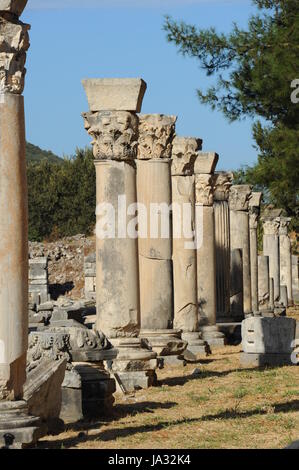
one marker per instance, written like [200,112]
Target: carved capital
[14,43]
[271,226]
[156,134]
[204,190]
[222,183]
[114,133]
[284,225]
[239,197]
[184,154]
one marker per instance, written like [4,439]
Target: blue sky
[75,39]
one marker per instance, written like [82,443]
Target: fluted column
[285,251]
[254,212]
[239,231]
[263,283]
[222,185]
[113,124]
[184,154]
[156,134]
[206,249]
[14,44]
[271,249]
[295,277]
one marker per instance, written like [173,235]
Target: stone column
[156,133]
[239,231]
[222,185]
[113,124]
[285,252]
[184,154]
[206,249]
[263,283]
[271,249]
[14,417]
[295,277]
[254,212]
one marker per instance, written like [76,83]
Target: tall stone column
[263,283]
[285,252]
[14,44]
[239,232]
[184,154]
[113,124]
[295,277]
[254,212]
[206,249]
[222,185]
[271,249]
[156,133]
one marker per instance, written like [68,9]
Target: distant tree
[62,197]
[254,69]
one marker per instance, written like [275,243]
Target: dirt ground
[224,406]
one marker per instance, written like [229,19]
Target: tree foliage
[61,196]
[253,69]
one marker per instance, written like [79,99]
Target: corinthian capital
[156,133]
[284,225]
[114,133]
[271,226]
[239,197]
[204,189]
[14,43]
[184,154]
[222,184]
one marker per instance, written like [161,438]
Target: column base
[168,345]
[213,336]
[262,360]
[135,365]
[196,345]
[17,428]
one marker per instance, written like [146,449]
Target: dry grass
[225,407]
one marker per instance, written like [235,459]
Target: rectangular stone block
[263,360]
[261,335]
[115,94]
[205,163]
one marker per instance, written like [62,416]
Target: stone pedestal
[254,212]
[113,124]
[184,153]
[206,253]
[38,281]
[222,184]
[156,133]
[285,256]
[271,249]
[268,341]
[239,231]
[264,283]
[90,273]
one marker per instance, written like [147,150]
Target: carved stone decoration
[156,133]
[239,197]
[271,226]
[184,154]
[50,345]
[204,189]
[222,184]
[114,133]
[284,225]
[14,43]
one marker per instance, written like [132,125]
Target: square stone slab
[206,163]
[115,94]
[13,6]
